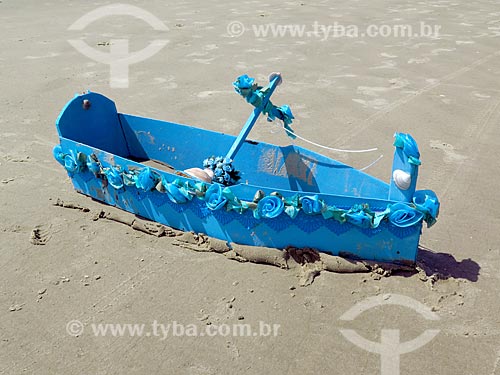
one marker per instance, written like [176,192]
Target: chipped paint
[143,134]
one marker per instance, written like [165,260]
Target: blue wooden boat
[242,191]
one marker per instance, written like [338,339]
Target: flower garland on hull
[425,205]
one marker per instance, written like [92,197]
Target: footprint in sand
[450,155]
[40,235]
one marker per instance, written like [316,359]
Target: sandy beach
[59,265]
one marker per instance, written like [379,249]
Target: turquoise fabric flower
[58,154]
[427,202]
[114,177]
[70,163]
[243,82]
[402,215]
[74,163]
[269,207]
[214,198]
[147,179]
[312,205]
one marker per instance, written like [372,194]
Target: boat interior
[172,147]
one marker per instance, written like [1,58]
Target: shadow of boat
[446,265]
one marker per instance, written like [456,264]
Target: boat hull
[387,242]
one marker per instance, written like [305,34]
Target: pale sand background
[344,92]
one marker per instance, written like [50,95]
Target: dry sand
[345,93]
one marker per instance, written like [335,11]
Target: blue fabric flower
[209,163]
[402,215]
[312,205]
[214,198]
[269,207]
[224,172]
[75,161]
[58,154]
[114,177]
[243,82]
[70,163]
[427,202]
[147,179]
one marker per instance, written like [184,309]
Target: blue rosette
[403,216]
[75,162]
[312,205]
[58,154]
[214,197]
[269,207]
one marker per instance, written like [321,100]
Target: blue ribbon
[253,94]
[360,216]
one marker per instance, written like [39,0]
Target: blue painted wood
[125,142]
[231,154]
[401,162]
[265,165]
[95,124]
